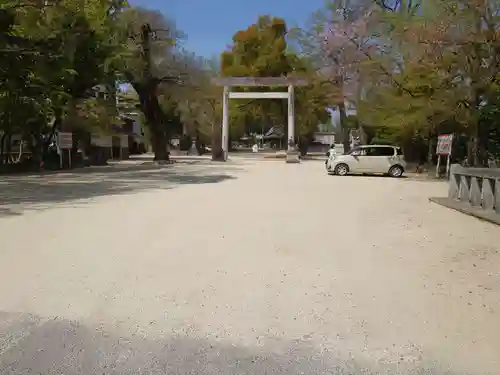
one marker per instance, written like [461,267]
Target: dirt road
[251,267]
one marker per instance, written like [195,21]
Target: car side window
[371,151]
[381,151]
[358,151]
[355,151]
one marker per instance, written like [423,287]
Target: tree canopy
[59,56]
[262,51]
[412,69]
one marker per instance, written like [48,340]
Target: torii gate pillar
[292,156]
[225,122]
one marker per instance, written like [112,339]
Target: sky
[210,24]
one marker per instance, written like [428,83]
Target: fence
[474,191]
[479,187]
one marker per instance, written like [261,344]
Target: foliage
[47,70]
[261,51]
[413,68]
[173,85]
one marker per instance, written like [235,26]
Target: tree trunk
[343,125]
[362,134]
[159,144]
[430,152]
[217,154]
[482,149]
[470,151]
[303,145]
[476,158]
[2,148]
[154,119]
[58,117]
[36,150]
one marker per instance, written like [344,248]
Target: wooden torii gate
[292,155]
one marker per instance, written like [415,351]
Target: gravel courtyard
[249,267]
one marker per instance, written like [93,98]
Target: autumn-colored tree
[199,103]
[338,39]
[415,67]
[262,51]
[447,63]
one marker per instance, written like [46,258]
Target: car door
[381,158]
[366,163]
[355,159]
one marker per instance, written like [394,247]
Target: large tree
[46,70]
[262,51]
[156,68]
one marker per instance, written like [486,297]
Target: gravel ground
[248,267]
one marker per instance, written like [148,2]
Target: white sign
[444,144]
[124,141]
[65,140]
[101,140]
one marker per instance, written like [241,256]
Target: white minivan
[370,159]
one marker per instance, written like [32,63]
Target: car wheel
[396,171]
[341,170]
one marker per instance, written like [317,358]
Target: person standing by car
[331,153]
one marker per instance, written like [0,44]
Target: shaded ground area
[277,269]
[21,192]
[59,346]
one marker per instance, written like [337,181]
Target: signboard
[444,144]
[124,141]
[101,140]
[65,140]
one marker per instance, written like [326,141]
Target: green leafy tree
[49,71]
[155,69]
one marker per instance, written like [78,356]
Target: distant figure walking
[255,148]
[331,152]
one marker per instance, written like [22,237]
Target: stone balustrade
[480,187]
[474,191]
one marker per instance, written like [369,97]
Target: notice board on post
[444,144]
[443,148]
[65,140]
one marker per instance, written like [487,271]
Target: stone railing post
[496,197]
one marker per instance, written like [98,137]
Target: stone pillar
[292,156]
[225,122]
[464,189]
[488,194]
[475,191]
[454,181]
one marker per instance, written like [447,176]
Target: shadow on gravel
[18,193]
[32,346]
